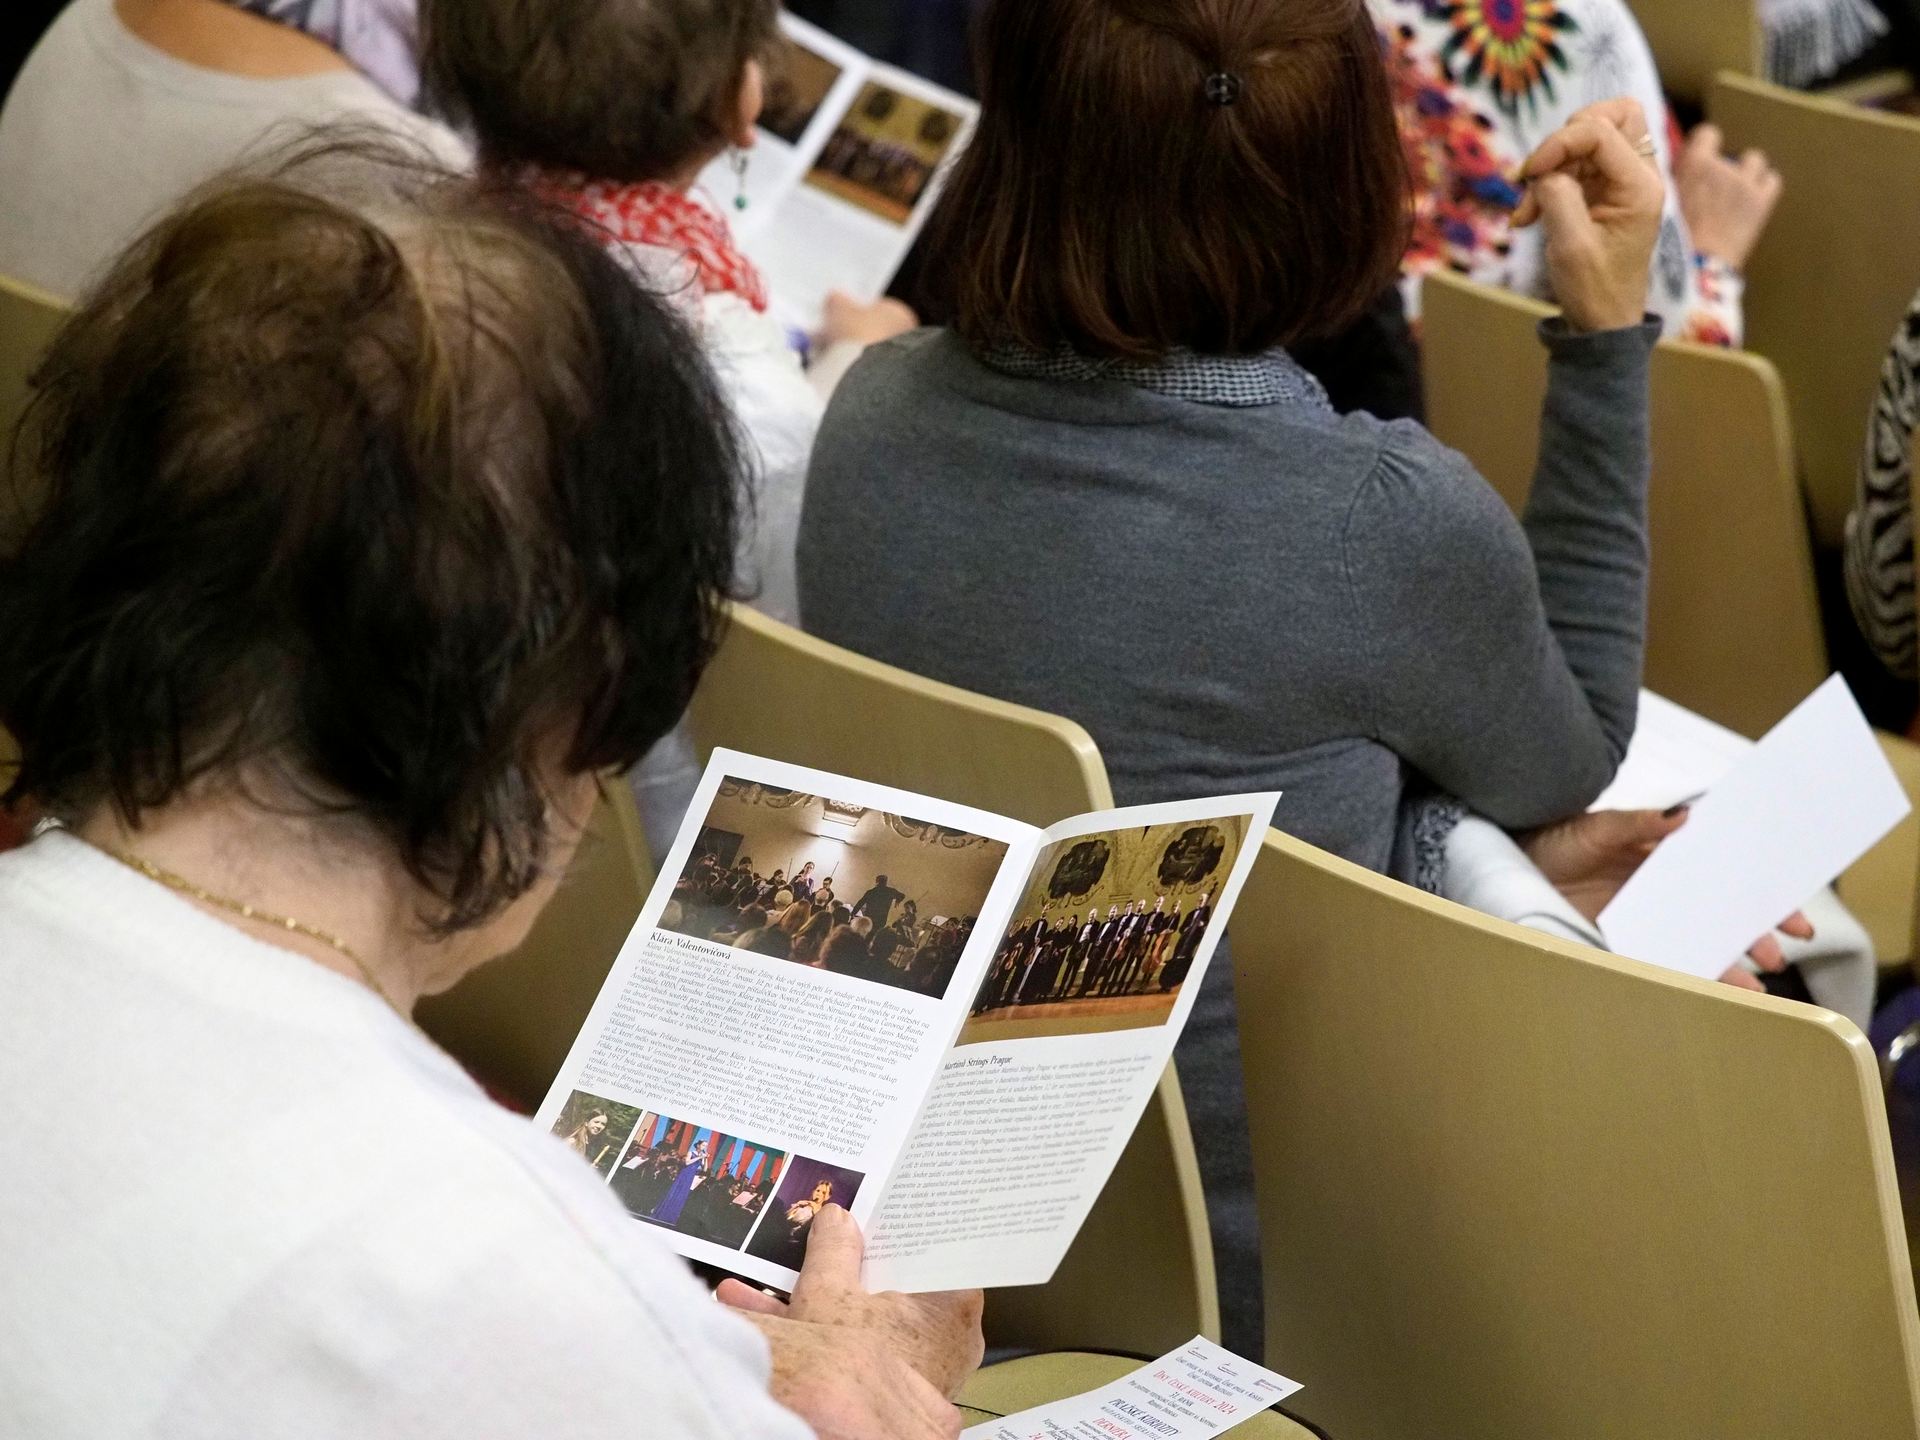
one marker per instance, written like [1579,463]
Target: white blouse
[102,133]
[243,1198]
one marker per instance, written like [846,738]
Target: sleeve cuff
[1561,338]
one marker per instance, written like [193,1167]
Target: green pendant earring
[738,159]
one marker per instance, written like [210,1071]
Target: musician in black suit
[1020,945]
[1152,926]
[1103,953]
[1192,930]
[1037,937]
[877,904]
[644,1177]
[1126,949]
[1017,949]
[1074,940]
[1056,952]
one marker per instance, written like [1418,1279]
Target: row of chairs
[1757,453]
[1739,438]
[1696,41]
[1504,1182]
[1835,271]
[1732,576]
[1507,1186]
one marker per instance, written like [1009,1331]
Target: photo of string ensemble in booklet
[944,1020]
[1107,931]
[851,890]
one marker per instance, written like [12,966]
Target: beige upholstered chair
[1510,1187]
[28,320]
[1883,887]
[511,1023]
[1835,271]
[1733,622]
[1732,573]
[776,692]
[12,828]
[1692,40]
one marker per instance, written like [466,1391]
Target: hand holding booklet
[944,1020]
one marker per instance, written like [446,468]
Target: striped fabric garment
[1811,40]
[1879,556]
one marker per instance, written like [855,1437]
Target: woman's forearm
[1586,518]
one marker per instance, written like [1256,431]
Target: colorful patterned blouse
[1478,84]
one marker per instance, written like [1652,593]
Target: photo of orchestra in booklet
[798,82]
[804,878]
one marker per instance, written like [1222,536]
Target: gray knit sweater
[1233,588]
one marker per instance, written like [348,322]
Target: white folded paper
[1676,755]
[1199,1389]
[1774,826]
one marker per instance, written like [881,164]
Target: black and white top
[1879,557]
[1236,382]
[1812,40]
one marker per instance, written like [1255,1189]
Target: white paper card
[1199,1389]
[1810,799]
[1676,755]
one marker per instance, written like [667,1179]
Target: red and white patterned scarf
[650,213]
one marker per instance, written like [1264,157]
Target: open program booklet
[848,157]
[952,1035]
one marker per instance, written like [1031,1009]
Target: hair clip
[1223,88]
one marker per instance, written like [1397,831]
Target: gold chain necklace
[185,886]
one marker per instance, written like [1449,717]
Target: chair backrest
[1732,573]
[28,320]
[1512,1187]
[774,691]
[512,1022]
[1834,273]
[13,829]
[1692,40]
[1882,887]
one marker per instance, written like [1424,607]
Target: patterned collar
[652,214]
[1236,382]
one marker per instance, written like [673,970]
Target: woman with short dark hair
[1110,491]
[358,562]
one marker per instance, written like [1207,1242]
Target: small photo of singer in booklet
[690,1178]
[595,1128]
[809,1186]
[834,886]
[1106,931]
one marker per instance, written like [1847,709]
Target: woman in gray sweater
[1110,493]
